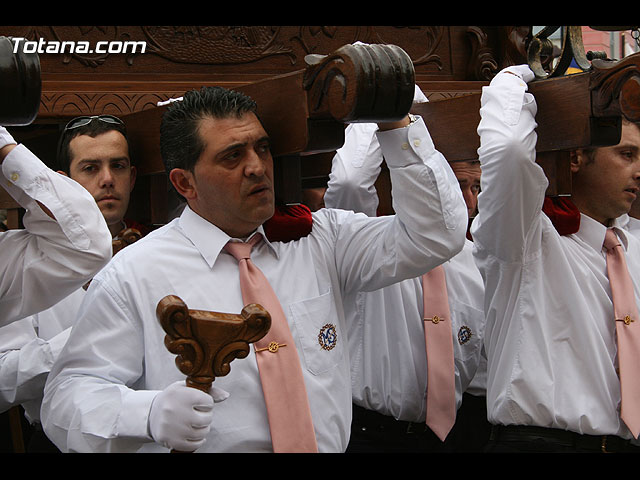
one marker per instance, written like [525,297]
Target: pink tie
[441,392]
[627,330]
[283,386]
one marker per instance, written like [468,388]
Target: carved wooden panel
[180,58]
[449,61]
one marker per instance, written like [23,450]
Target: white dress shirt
[386,331]
[28,349]
[99,393]
[49,259]
[550,333]
[631,224]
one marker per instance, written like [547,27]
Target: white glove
[521,71]
[180,416]
[5,137]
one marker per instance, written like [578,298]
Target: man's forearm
[4,151]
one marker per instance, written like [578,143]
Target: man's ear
[132,178]
[576,160]
[183,182]
[62,172]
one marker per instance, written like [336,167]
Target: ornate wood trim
[207,342]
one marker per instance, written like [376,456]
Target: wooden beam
[575,111]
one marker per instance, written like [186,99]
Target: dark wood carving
[125,238]
[366,83]
[179,58]
[207,342]
[574,111]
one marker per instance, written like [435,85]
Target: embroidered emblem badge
[328,336]
[464,334]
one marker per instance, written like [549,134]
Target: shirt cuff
[133,420]
[400,146]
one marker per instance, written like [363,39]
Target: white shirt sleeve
[49,259]
[430,219]
[354,170]
[513,186]
[25,362]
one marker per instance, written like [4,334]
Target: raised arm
[354,170]
[430,221]
[356,166]
[65,240]
[513,185]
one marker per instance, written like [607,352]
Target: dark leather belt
[370,419]
[564,438]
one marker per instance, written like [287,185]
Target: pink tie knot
[242,250]
[611,239]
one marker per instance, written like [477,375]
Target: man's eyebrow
[97,160]
[628,146]
[234,146]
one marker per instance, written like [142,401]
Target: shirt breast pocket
[468,330]
[319,333]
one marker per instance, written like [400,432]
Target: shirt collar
[593,232]
[208,239]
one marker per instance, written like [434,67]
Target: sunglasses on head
[81,122]
[85,120]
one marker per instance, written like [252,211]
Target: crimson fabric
[289,222]
[143,229]
[562,212]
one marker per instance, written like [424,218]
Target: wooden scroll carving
[207,342]
[305,112]
[574,111]
[360,83]
[125,238]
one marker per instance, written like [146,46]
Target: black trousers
[39,443]
[372,432]
[530,439]
[471,432]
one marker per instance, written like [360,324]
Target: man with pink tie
[557,373]
[126,394]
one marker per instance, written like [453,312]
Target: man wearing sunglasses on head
[64,241]
[94,152]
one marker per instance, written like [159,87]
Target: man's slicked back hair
[180,142]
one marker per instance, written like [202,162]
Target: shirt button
[15,177]
[416,142]
[405,146]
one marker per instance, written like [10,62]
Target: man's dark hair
[94,128]
[180,142]
[590,152]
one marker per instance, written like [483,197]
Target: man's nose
[106,177]
[255,165]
